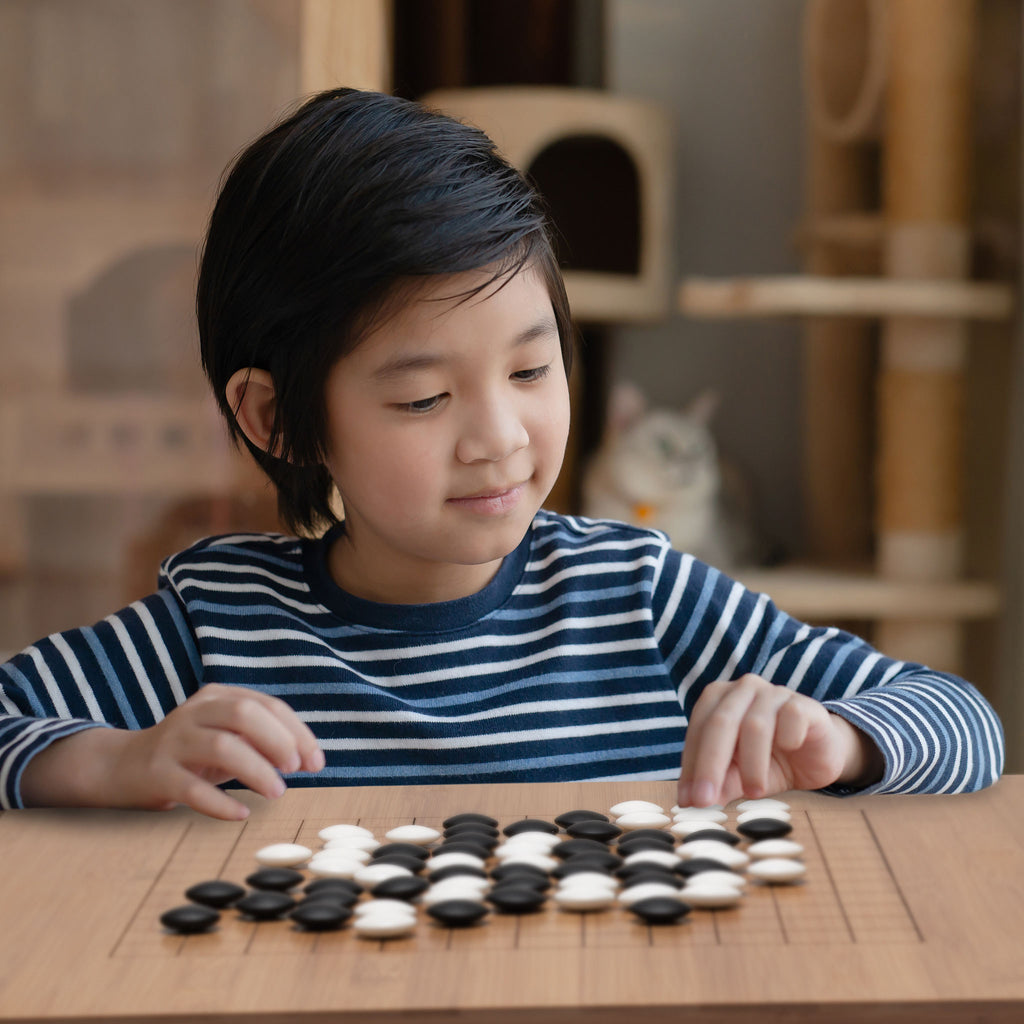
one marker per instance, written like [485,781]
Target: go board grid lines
[851,896]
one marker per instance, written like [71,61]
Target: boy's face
[446,430]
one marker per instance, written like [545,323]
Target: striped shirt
[581,659]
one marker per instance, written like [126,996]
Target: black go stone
[404,887]
[401,849]
[317,915]
[278,879]
[664,876]
[572,847]
[629,871]
[695,865]
[584,862]
[648,834]
[457,913]
[189,919]
[720,835]
[522,874]
[571,817]
[516,898]
[605,857]
[530,825]
[641,844]
[265,905]
[402,860]
[339,897]
[474,849]
[346,885]
[470,816]
[450,870]
[764,828]
[660,909]
[216,893]
[602,831]
[471,827]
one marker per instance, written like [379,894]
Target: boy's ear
[250,392]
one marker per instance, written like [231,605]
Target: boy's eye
[424,404]
[537,373]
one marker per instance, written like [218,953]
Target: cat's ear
[626,404]
[702,408]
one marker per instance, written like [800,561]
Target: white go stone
[666,858]
[714,850]
[352,843]
[339,831]
[384,925]
[646,890]
[283,855]
[584,898]
[776,870]
[534,859]
[687,826]
[590,879]
[542,841]
[636,806]
[711,897]
[371,874]
[642,819]
[716,812]
[342,853]
[442,892]
[334,867]
[774,848]
[766,803]
[715,879]
[769,812]
[418,835]
[444,860]
[383,906]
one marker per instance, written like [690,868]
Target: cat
[660,468]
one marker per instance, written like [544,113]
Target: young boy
[380,310]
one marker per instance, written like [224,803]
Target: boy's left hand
[748,737]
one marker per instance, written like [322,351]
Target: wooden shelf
[827,594]
[804,295]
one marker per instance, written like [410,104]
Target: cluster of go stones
[658,865]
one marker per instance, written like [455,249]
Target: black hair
[324,220]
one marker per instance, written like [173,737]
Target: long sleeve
[127,671]
[936,731]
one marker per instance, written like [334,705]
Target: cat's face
[666,456]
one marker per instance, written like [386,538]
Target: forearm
[75,771]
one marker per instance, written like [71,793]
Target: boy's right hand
[219,733]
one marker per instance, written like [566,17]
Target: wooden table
[913,910]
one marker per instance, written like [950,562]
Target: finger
[757,738]
[311,757]
[249,715]
[230,756]
[717,736]
[707,702]
[793,724]
[202,796]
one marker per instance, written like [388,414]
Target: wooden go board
[912,909]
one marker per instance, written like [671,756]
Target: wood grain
[911,911]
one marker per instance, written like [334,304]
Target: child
[380,310]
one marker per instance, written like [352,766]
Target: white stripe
[575,552]
[498,738]
[772,664]
[63,711]
[240,570]
[72,662]
[715,640]
[890,701]
[505,711]
[440,675]
[205,586]
[575,572]
[243,636]
[862,673]
[160,649]
[678,589]
[27,738]
[128,648]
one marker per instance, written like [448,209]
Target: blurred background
[807,209]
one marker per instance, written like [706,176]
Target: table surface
[912,910]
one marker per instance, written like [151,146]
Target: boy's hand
[749,737]
[219,733]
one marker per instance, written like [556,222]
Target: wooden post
[921,391]
[345,42]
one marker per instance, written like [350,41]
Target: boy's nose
[491,433]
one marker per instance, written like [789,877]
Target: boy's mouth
[493,501]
